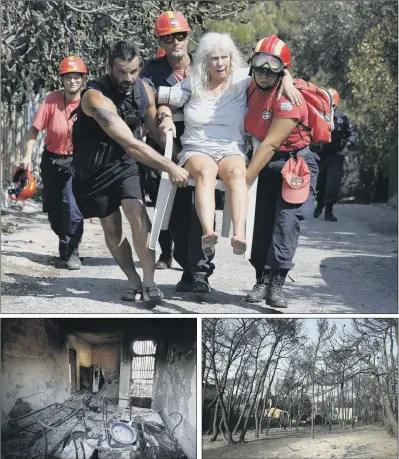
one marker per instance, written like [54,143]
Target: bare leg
[204,171]
[120,248]
[232,171]
[140,224]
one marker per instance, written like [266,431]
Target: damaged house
[98,388]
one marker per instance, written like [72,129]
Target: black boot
[258,292]
[164,262]
[275,297]
[186,282]
[330,217]
[69,261]
[201,283]
[74,261]
[318,210]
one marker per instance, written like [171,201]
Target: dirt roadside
[363,443]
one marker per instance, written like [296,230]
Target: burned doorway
[143,371]
[73,380]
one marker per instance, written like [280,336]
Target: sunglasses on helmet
[263,61]
[179,36]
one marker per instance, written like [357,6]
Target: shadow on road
[94,289]
[339,240]
[49,260]
[364,275]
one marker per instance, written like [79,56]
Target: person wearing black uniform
[332,157]
[185,228]
[107,146]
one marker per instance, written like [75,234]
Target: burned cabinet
[91,378]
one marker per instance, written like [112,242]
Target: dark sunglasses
[267,61]
[180,36]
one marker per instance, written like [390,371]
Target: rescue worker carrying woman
[286,167]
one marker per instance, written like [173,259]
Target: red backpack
[320,111]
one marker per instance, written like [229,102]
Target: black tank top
[93,150]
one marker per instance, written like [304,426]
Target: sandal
[131,294]
[151,296]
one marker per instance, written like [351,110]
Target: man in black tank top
[107,147]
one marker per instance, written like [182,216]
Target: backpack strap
[74,112]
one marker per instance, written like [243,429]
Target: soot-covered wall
[35,364]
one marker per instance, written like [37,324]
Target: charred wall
[109,358]
[34,363]
[175,389]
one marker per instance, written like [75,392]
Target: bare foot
[239,246]
[208,243]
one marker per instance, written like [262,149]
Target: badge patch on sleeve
[287,106]
[266,114]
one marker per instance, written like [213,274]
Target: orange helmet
[171,22]
[334,95]
[160,52]
[24,185]
[72,64]
[273,45]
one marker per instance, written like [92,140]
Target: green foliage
[374,103]
[37,35]
[331,33]
[259,21]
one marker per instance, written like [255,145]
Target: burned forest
[269,379]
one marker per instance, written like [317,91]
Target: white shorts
[217,155]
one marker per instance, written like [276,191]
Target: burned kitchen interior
[98,388]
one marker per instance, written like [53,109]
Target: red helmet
[160,52]
[273,45]
[24,185]
[334,95]
[72,64]
[171,22]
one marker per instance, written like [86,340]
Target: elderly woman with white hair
[214,97]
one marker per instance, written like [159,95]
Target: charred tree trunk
[215,431]
[264,371]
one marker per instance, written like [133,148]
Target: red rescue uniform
[263,108]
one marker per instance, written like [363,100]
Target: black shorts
[102,195]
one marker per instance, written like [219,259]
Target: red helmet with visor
[271,53]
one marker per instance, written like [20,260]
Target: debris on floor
[90,426]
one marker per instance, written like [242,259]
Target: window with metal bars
[143,368]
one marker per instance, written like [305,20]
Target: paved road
[345,267]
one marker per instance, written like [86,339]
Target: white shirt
[215,123]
